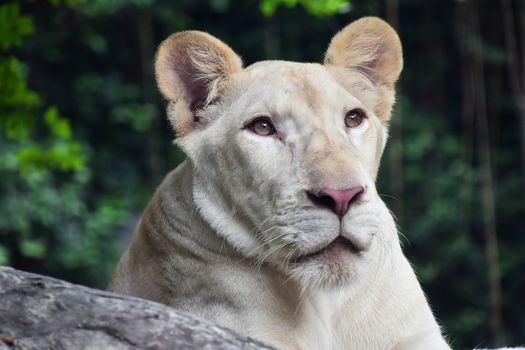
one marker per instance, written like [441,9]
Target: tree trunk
[487,178]
[38,312]
[516,73]
[467,113]
[147,52]
[272,45]
[396,168]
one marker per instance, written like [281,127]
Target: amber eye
[354,118]
[262,126]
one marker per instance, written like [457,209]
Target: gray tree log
[38,312]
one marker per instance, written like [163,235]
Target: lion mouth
[333,250]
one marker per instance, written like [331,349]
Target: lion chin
[273,225]
[330,267]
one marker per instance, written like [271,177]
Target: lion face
[285,154]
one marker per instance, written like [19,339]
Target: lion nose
[336,200]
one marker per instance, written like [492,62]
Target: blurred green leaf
[18,125]
[69,3]
[4,255]
[62,156]
[32,248]
[139,116]
[107,7]
[13,26]
[96,42]
[220,5]
[315,7]
[58,126]
[13,86]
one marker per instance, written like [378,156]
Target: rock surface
[38,312]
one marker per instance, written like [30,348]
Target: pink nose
[338,200]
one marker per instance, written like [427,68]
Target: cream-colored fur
[224,234]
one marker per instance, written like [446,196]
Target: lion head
[285,155]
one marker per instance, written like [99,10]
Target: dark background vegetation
[84,139]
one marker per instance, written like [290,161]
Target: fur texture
[235,233]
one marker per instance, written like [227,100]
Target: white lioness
[273,226]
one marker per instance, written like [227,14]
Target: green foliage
[13,26]
[315,7]
[4,255]
[13,87]
[138,115]
[60,151]
[58,126]
[106,7]
[70,3]
[220,5]
[32,248]
[42,165]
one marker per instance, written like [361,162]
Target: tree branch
[38,312]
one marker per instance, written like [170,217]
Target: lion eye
[354,118]
[262,126]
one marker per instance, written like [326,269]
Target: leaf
[13,26]
[96,42]
[4,255]
[105,7]
[13,86]
[318,8]
[63,156]
[18,125]
[268,7]
[220,5]
[58,126]
[32,248]
[138,116]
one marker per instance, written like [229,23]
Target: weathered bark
[38,312]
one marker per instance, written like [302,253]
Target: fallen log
[39,312]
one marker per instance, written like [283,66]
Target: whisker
[388,196]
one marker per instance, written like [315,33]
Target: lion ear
[191,68]
[371,47]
